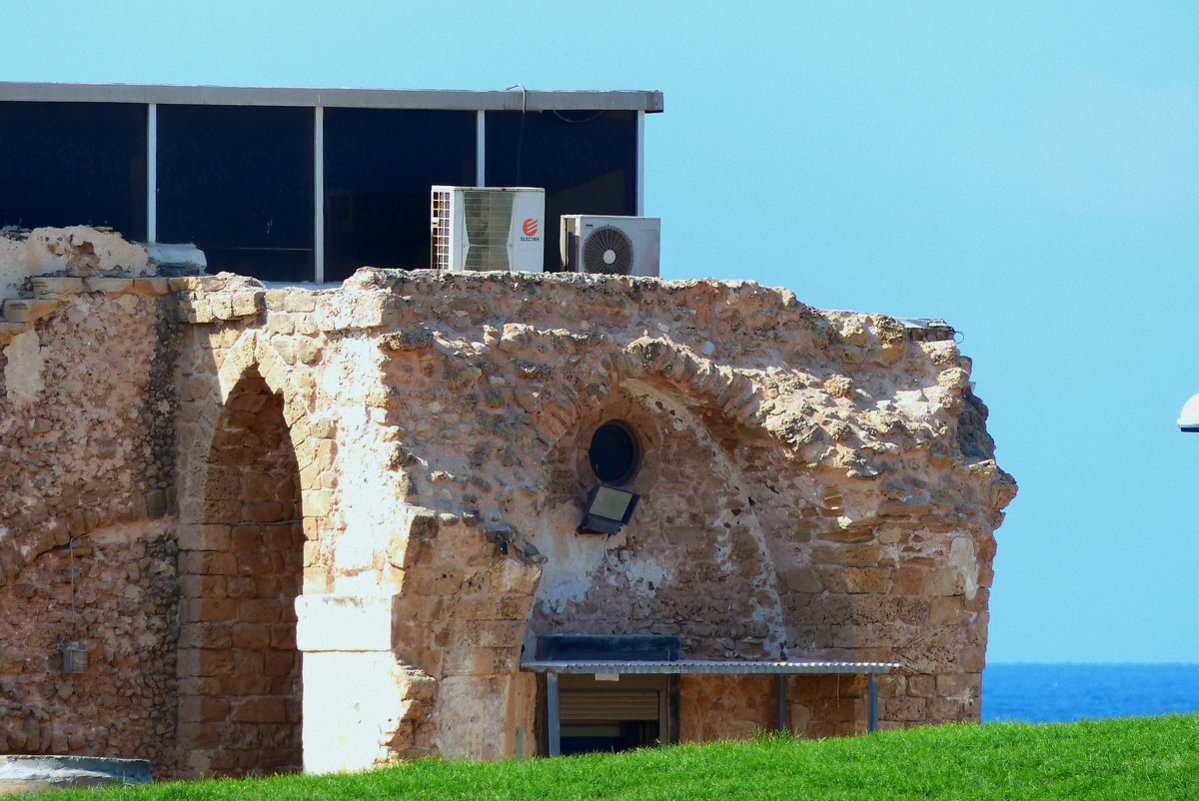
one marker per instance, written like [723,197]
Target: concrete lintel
[344,622]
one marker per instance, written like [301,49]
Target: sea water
[1059,693]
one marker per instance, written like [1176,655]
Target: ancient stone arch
[680,537]
[241,569]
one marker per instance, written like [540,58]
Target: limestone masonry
[315,527]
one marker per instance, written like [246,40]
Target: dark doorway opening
[607,711]
[608,737]
[613,713]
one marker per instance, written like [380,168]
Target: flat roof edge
[439,99]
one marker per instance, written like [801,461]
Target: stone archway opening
[241,568]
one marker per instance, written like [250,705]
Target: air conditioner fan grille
[608,250]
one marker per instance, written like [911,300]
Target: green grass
[1134,758]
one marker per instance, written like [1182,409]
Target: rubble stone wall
[383,481]
[86,487]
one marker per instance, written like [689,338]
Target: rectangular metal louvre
[488,218]
[441,222]
[578,706]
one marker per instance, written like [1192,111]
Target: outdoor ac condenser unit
[609,244]
[488,228]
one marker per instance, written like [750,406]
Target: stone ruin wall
[403,461]
[86,454]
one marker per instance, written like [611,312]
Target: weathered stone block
[847,555]
[112,286]
[260,611]
[248,304]
[154,287]
[204,662]
[922,685]
[211,610]
[202,586]
[207,563]
[259,710]
[254,563]
[278,663]
[44,285]
[251,635]
[299,301]
[204,635]
[907,581]
[262,511]
[204,538]
[958,685]
[20,310]
[942,582]
[199,734]
[203,709]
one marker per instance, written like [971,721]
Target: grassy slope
[1136,758]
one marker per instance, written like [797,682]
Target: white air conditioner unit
[488,228]
[611,245]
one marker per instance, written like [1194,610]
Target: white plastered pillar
[352,684]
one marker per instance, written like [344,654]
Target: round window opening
[614,453]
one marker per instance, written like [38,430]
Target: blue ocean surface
[1035,693]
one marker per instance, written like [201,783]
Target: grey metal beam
[780,702]
[440,99]
[674,692]
[872,721]
[553,716]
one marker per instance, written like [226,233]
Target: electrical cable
[558,114]
[74,621]
[520,136]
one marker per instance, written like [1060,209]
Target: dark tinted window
[586,161]
[238,182]
[73,164]
[379,165]
[613,453]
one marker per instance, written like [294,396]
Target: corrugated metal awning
[553,668]
[706,666]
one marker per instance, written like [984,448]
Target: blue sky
[1027,171]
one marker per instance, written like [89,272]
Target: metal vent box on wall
[612,647]
[487,228]
[610,244]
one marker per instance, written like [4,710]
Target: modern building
[307,185]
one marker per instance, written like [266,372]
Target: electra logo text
[529,227]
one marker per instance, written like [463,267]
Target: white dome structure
[1188,420]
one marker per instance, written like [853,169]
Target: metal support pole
[318,194]
[480,148]
[552,714]
[872,725]
[152,172]
[780,701]
[640,164]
